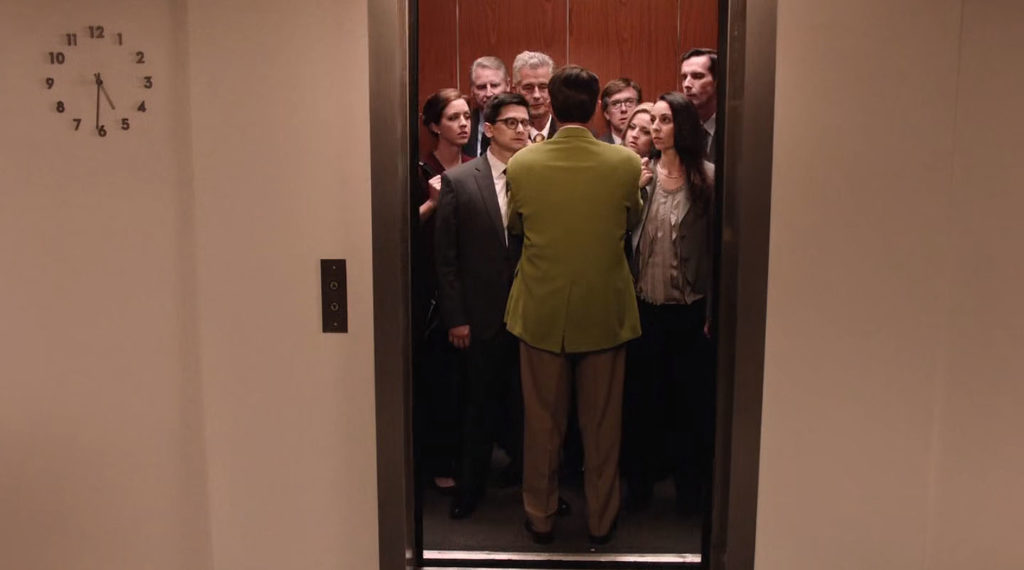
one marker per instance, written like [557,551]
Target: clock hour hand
[99,83]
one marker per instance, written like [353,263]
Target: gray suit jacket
[475,267]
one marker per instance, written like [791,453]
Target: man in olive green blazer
[572,303]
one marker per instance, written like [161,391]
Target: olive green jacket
[571,198]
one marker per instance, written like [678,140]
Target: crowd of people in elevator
[561,285]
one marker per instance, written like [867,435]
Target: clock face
[97,81]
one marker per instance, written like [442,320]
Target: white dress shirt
[498,174]
[544,131]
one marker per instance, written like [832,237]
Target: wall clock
[97,81]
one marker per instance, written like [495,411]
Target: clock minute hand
[97,75]
[99,82]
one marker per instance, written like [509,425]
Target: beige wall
[101,425]
[889,434]
[168,400]
[279,101]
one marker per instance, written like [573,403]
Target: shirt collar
[547,127]
[709,125]
[496,165]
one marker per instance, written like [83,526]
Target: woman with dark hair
[446,116]
[665,392]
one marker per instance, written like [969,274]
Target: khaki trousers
[545,377]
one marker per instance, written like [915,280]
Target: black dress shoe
[537,536]
[564,509]
[461,507]
[601,540]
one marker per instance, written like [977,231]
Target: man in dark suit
[699,84]
[618,99]
[487,78]
[475,264]
[531,72]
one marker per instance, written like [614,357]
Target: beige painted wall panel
[101,450]
[979,467]
[859,273]
[279,100]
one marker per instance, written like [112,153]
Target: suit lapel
[485,188]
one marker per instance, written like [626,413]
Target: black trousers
[436,405]
[492,408]
[668,401]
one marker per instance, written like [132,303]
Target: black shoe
[564,508]
[537,536]
[601,540]
[461,507]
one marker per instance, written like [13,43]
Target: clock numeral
[124,124]
[96,32]
[60,106]
[102,130]
[49,83]
[148,82]
[140,57]
[142,107]
[78,123]
[57,57]
[72,39]
[120,39]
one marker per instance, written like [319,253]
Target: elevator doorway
[494,537]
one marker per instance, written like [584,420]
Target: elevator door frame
[746,106]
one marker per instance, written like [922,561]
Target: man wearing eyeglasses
[475,264]
[618,99]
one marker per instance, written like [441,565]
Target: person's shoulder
[620,154]
[467,169]
[709,167]
[526,154]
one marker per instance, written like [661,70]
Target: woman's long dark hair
[688,141]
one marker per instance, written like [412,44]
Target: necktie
[539,137]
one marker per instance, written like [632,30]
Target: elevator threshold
[576,557]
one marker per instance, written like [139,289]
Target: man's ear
[489,130]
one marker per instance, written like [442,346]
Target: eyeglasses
[628,103]
[512,123]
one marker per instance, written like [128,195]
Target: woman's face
[455,121]
[662,129]
[638,134]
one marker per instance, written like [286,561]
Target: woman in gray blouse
[669,383]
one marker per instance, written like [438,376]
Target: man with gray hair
[531,73]
[487,78]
